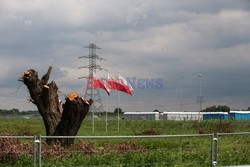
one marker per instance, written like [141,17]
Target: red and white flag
[112,82]
[129,88]
[116,84]
[124,82]
[98,84]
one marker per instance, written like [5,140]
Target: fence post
[214,155]
[212,150]
[216,148]
[40,151]
[34,150]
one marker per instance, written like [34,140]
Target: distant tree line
[14,111]
[248,109]
[221,109]
[217,109]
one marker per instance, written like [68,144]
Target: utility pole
[91,93]
[181,98]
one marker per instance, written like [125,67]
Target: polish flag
[98,84]
[124,82]
[112,82]
[116,84]
[129,88]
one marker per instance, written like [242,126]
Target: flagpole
[107,115]
[93,120]
[118,109]
[107,108]
[92,106]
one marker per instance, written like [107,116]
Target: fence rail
[231,134]
[17,137]
[37,140]
[123,137]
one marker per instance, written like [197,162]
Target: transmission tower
[93,93]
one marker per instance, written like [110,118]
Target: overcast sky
[148,39]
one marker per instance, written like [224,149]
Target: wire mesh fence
[132,151]
[143,150]
[232,150]
[13,148]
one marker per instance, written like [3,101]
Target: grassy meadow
[192,151]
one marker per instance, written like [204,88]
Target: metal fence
[212,149]
[223,138]
[16,150]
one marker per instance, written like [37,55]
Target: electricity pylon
[93,93]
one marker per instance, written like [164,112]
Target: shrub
[86,148]
[51,151]
[149,131]
[128,146]
[216,127]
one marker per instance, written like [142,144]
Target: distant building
[182,116]
[187,116]
[141,116]
[215,115]
[240,115]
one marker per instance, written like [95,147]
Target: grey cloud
[173,40]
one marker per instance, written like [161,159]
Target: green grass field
[195,151]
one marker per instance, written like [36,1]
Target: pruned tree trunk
[57,121]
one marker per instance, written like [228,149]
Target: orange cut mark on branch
[27,72]
[72,96]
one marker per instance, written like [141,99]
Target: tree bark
[57,121]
